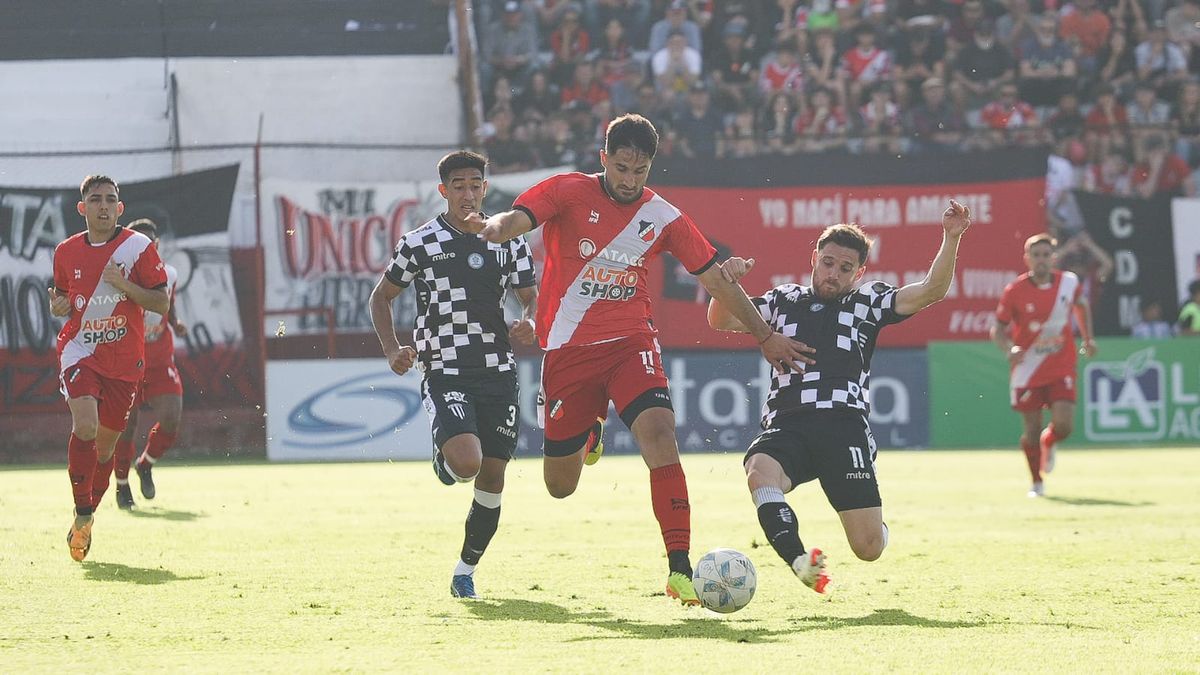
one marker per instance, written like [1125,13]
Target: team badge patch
[475,261]
[646,230]
[816,307]
[556,411]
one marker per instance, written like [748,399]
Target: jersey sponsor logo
[621,257]
[442,256]
[80,302]
[587,247]
[475,261]
[511,433]
[103,330]
[607,284]
[858,475]
[101,300]
[646,230]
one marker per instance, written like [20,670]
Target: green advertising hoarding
[1133,392]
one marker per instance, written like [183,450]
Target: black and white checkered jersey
[842,331]
[460,282]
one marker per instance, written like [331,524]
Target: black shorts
[485,406]
[833,446]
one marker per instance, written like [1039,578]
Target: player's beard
[827,291]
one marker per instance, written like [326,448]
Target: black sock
[677,561]
[779,524]
[481,525]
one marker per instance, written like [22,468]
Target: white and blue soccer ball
[725,580]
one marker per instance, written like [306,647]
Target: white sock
[767,495]
[122,481]
[463,568]
[885,535]
[488,500]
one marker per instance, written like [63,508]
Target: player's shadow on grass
[700,625]
[1092,501]
[144,576]
[884,617]
[166,514]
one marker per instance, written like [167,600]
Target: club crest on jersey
[587,247]
[816,307]
[475,261]
[646,230]
[556,411]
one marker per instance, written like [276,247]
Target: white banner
[326,244]
[1185,216]
[346,409]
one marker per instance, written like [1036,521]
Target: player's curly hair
[849,235]
[461,159]
[93,180]
[631,131]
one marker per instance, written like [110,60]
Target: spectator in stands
[1017,27]
[1106,124]
[1009,117]
[865,64]
[1185,118]
[500,95]
[1115,64]
[748,13]
[698,127]
[676,21]
[613,54]
[879,122]
[1183,29]
[920,55]
[822,15]
[1047,65]
[1086,29]
[675,67]
[964,26]
[935,125]
[1189,316]
[584,86]
[782,70]
[981,68]
[624,92]
[506,152]
[1066,120]
[556,146]
[779,124]
[928,13]
[1147,114]
[822,126]
[1161,171]
[541,96]
[741,138]
[633,14]
[1161,63]
[510,47]
[821,65]
[569,43]
[734,66]
[652,106]
[1151,326]
[1110,176]
[1129,13]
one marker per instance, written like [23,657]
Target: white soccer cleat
[1037,490]
[810,567]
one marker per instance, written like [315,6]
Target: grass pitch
[347,567]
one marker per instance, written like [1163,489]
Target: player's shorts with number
[484,405]
[578,383]
[1029,399]
[160,380]
[114,398]
[833,446]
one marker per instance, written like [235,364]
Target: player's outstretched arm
[503,226]
[719,318]
[400,359]
[781,352]
[153,299]
[916,297]
[525,329]
[1083,318]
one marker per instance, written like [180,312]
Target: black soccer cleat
[125,497]
[146,479]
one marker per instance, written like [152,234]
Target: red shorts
[578,383]
[160,380]
[114,398]
[1029,399]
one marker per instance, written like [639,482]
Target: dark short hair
[146,227]
[93,180]
[849,235]
[1043,238]
[462,159]
[631,131]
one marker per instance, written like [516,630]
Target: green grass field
[346,567]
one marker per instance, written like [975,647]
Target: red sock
[124,454]
[669,495]
[100,479]
[1033,455]
[81,466]
[157,444]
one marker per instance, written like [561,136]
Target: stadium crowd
[1112,87]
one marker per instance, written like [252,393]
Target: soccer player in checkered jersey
[161,389]
[594,322]
[105,279]
[815,418]
[462,345]
[1033,329]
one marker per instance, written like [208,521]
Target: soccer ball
[725,580]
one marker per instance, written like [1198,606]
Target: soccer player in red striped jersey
[594,321]
[161,389]
[1033,327]
[104,279]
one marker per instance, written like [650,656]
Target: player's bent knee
[85,430]
[1063,429]
[868,550]
[560,489]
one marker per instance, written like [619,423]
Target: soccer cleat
[1036,490]
[463,586]
[439,468]
[595,443]
[810,567]
[125,497]
[680,587]
[146,478]
[1047,451]
[79,537]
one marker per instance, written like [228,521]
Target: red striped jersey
[160,336]
[1041,325]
